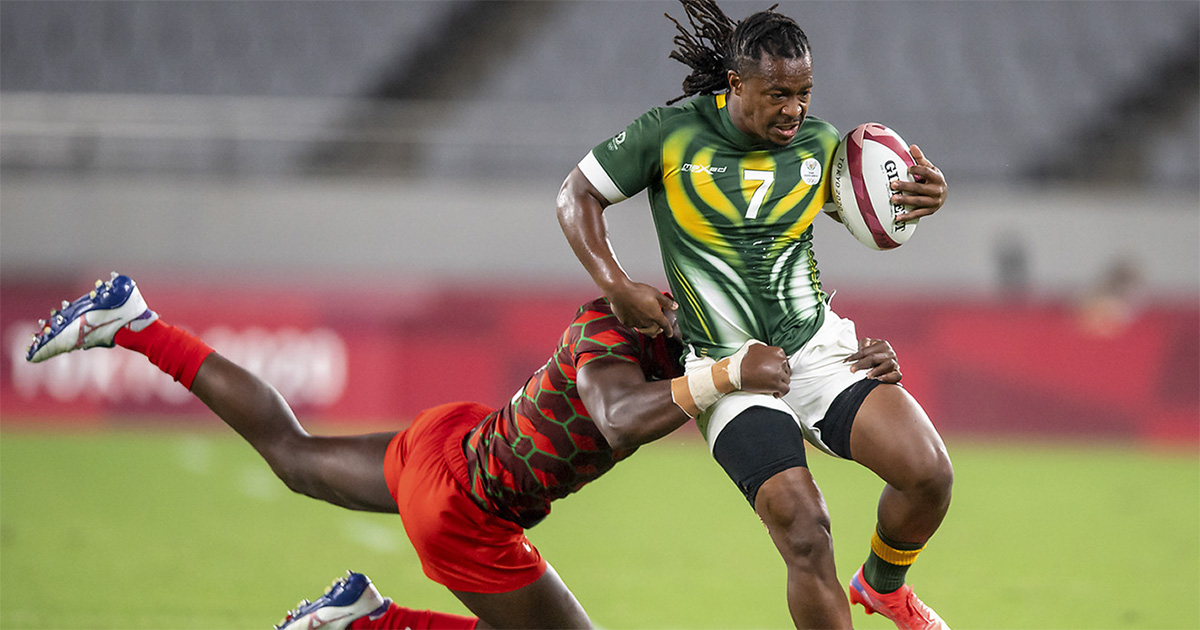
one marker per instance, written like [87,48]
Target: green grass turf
[174,530]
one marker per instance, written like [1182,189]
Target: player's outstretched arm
[631,411]
[581,216]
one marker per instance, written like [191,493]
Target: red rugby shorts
[460,546]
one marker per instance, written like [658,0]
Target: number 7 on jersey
[764,179]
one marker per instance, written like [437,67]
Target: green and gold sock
[888,563]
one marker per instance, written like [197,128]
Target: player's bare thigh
[894,438]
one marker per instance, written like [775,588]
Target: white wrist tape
[735,363]
[699,389]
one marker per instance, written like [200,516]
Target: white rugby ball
[865,164]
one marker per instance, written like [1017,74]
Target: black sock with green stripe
[888,563]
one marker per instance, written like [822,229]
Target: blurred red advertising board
[358,355]
[343,355]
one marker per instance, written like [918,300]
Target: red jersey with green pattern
[543,445]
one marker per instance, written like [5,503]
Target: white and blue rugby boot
[92,320]
[347,599]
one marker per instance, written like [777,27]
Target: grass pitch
[174,530]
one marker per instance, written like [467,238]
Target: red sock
[173,350]
[401,617]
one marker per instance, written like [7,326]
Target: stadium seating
[466,85]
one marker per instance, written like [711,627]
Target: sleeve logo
[615,143]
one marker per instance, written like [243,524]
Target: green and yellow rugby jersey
[734,220]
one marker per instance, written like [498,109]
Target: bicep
[605,382]
[627,409]
[580,205]
[577,187]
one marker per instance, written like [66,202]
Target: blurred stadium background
[356,199]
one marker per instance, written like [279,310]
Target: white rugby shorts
[819,374]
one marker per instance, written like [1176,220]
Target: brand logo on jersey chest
[700,168]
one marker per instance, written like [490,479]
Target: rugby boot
[903,607]
[345,600]
[92,320]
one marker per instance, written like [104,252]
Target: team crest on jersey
[616,141]
[810,171]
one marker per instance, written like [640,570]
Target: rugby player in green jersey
[735,178]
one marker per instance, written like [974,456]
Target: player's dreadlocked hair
[716,44]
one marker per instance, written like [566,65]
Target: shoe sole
[51,343]
[857,597]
